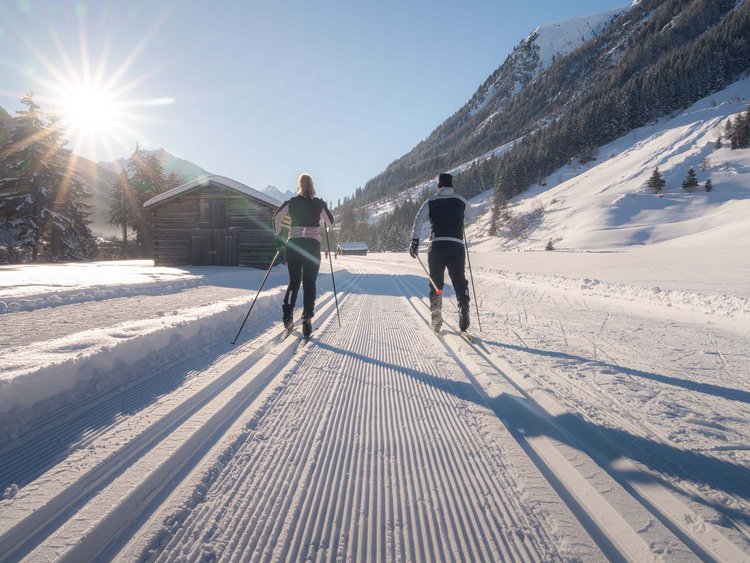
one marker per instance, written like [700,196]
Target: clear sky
[260,91]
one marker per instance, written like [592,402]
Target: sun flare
[88,110]
[97,100]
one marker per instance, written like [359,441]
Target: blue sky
[260,91]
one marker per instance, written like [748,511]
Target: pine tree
[729,132]
[656,183]
[494,227]
[123,209]
[738,130]
[146,178]
[42,200]
[743,130]
[690,183]
[173,180]
[709,185]
[348,224]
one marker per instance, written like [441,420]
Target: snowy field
[602,412]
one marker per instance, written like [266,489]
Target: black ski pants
[303,263]
[448,254]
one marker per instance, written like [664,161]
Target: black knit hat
[445,180]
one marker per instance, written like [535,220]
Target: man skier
[445,210]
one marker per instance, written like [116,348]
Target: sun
[95,101]
[88,110]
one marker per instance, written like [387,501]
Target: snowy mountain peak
[277,194]
[559,39]
[535,54]
[187,170]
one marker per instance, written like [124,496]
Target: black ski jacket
[302,216]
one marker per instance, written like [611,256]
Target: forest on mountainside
[658,57]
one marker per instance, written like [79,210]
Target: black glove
[414,248]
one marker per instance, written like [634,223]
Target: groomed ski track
[374,453]
[378,440]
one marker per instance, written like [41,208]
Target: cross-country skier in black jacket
[297,227]
[445,211]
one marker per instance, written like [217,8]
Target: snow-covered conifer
[690,183]
[42,200]
[655,182]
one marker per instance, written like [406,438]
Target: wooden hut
[352,248]
[212,221]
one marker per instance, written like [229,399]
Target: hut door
[214,247]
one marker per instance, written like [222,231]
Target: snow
[277,194]
[220,180]
[604,205]
[601,413]
[562,38]
[636,353]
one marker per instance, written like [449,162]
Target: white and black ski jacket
[445,210]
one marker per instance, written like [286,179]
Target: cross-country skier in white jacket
[445,211]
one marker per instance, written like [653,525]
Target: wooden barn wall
[235,232]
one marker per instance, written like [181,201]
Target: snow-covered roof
[352,246]
[205,181]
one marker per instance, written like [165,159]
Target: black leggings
[451,255]
[303,262]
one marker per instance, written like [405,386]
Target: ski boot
[287,312]
[436,309]
[463,316]
[306,326]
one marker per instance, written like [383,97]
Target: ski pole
[471,276]
[256,295]
[432,283]
[330,260]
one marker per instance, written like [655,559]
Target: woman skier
[297,228]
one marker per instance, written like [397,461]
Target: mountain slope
[187,170]
[531,57]
[5,119]
[604,204]
[99,181]
[655,58]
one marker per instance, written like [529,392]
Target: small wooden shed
[352,248]
[213,221]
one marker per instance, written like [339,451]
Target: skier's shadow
[707,388]
[93,408]
[605,445]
